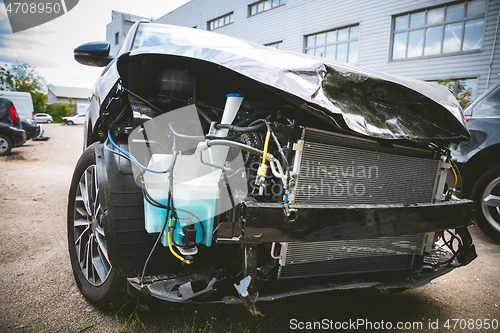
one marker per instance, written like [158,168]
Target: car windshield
[152,35]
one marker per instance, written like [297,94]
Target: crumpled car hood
[371,103]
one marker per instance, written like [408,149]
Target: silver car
[43,118]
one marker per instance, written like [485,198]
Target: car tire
[96,278]
[486,196]
[70,122]
[49,121]
[5,145]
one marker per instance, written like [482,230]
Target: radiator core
[304,259]
[336,169]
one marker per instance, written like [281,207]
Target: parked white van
[22,102]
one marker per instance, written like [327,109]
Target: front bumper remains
[260,223]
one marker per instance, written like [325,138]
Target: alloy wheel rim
[90,242]
[490,203]
[3,145]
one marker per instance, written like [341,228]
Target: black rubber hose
[240,129]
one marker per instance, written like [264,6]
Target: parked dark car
[220,170]
[11,131]
[31,128]
[478,160]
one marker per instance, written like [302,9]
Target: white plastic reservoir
[195,190]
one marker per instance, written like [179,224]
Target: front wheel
[486,196]
[49,121]
[5,145]
[94,274]
[70,122]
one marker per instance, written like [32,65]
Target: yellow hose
[456,178]
[266,144]
[171,248]
[262,167]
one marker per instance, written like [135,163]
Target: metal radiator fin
[301,259]
[335,175]
[347,266]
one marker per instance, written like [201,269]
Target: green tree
[57,111]
[23,77]
[39,101]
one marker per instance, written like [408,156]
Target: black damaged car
[11,131]
[478,161]
[219,170]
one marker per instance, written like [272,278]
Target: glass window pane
[488,106]
[435,15]
[320,39]
[354,32]
[452,37]
[415,43]
[331,37]
[353,53]
[476,7]
[399,49]
[260,7]
[253,10]
[267,5]
[401,22]
[320,52]
[433,40]
[231,18]
[276,3]
[279,46]
[473,36]
[455,11]
[417,19]
[466,91]
[331,51]
[310,41]
[226,20]
[343,34]
[342,52]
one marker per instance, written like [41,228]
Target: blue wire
[132,158]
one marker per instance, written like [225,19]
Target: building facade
[77,98]
[431,40]
[118,28]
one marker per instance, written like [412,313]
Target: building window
[339,44]
[262,6]
[447,29]
[276,45]
[464,89]
[220,21]
[117,38]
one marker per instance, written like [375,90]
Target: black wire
[158,239]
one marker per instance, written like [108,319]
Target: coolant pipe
[233,103]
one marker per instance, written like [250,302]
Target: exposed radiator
[345,170]
[349,256]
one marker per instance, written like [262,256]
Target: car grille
[336,169]
[303,259]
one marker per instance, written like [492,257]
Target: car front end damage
[219,182]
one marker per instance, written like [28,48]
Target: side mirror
[93,54]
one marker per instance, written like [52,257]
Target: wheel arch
[478,165]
